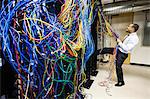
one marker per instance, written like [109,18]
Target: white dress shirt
[129,43]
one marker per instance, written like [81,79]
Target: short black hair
[136,27]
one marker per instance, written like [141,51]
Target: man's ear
[133,30]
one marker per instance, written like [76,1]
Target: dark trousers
[120,58]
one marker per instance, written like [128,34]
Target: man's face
[130,29]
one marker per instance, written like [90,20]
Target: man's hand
[118,40]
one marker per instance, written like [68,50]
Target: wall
[141,54]
[120,23]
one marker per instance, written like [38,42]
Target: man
[125,47]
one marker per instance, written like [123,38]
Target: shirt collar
[134,33]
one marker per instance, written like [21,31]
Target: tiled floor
[137,84]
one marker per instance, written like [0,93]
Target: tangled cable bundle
[48,50]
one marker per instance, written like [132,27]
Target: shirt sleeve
[129,46]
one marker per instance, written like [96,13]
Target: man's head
[132,28]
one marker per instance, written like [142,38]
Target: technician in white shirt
[125,47]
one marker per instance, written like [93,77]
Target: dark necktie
[125,37]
